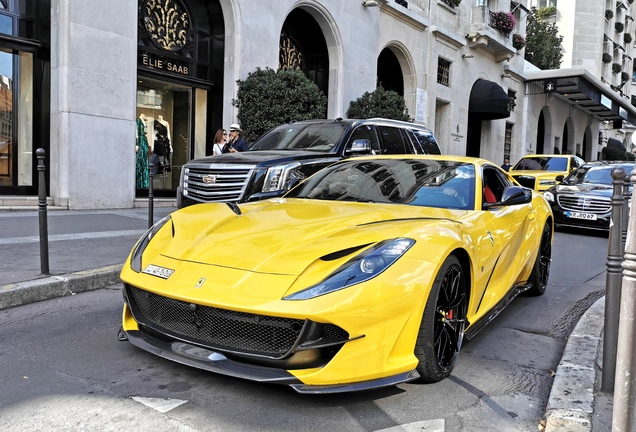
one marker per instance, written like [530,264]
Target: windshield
[600,175]
[318,137]
[425,183]
[545,163]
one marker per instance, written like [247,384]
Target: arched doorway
[541,134]
[390,75]
[488,101]
[303,47]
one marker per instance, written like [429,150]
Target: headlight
[276,177]
[549,196]
[182,179]
[363,267]
[547,182]
[138,251]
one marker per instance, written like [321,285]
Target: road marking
[159,404]
[74,236]
[437,425]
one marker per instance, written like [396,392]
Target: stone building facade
[113,77]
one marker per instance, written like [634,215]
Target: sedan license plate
[577,215]
[161,272]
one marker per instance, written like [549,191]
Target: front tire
[442,329]
[541,270]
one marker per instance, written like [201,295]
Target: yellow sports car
[370,273]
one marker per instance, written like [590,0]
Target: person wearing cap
[236,142]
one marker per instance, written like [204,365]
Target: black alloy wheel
[443,323]
[541,270]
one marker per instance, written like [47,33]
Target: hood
[264,157]
[586,188]
[285,236]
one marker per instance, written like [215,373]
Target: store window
[16,144]
[163,133]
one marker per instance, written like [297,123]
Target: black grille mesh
[220,328]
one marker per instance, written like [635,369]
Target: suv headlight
[547,182]
[361,268]
[277,176]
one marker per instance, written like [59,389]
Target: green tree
[543,43]
[268,98]
[379,103]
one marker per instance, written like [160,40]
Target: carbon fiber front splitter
[203,358]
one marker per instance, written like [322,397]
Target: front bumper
[206,359]
[561,218]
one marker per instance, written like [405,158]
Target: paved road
[67,371]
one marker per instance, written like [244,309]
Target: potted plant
[616,68]
[609,14]
[607,58]
[503,22]
[624,76]
[619,27]
[627,38]
[518,41]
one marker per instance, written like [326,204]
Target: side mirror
[559,178]
[360,146]
[516,195]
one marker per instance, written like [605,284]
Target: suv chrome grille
[216,182]
[583,203]
[224,329]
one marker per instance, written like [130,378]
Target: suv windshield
[298,136]
[546,163]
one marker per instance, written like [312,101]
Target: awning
[488,101]
[582,90]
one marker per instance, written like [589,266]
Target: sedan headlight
[363,267]
[138,251]
[549,196]
[277,177]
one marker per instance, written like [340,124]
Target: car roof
[352,122]
[549,155]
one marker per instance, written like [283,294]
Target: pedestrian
[236,141]
[220,140]
[506,165]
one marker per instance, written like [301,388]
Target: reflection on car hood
[285,236]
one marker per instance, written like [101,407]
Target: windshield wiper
[234,207]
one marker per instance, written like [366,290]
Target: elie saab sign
[164,26]
[153,61]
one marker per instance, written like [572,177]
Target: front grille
[216,182]
[526,181]
[223,329]
[584,204]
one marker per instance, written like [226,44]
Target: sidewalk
[88,248]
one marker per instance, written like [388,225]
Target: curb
[21,293]
[571,401]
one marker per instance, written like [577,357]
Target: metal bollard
[624,391]
[626,202]
[151,175]
[613,282]
[44,229]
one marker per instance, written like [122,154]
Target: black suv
[291,152]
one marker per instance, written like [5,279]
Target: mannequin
[162,147]
[141,149]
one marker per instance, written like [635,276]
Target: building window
[402,3]
[512,95]
[508,140]
[546,3]
[443,71]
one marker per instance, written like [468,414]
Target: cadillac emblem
[209,179]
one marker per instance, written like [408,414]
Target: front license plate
[577,215]
[161,272]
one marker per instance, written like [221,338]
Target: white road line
[75,236]
[159,404]
[437,425]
